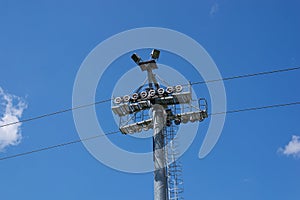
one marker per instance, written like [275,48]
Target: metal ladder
[174,166]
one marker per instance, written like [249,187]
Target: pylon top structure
[131,108]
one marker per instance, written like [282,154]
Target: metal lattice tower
[169,104]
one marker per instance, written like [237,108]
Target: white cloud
[214,9]
[11,110]
[292,148]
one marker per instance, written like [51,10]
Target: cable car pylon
[170,106]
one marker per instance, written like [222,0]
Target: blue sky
[43,43]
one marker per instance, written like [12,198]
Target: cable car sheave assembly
[132,107]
